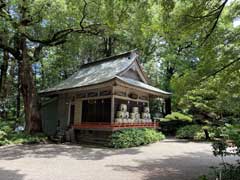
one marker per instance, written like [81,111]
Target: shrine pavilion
[102,97]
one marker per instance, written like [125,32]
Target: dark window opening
[98,110]
[72,110]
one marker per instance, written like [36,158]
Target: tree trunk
[18,103]
[29,93]
[169,73]
[108,46]
[206,134]
[3,76]
[43,84]
[3,87]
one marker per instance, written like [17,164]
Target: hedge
[134,137]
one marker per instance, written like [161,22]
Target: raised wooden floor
[100,133]
[114,126]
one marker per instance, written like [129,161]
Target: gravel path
[166,160]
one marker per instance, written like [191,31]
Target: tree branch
[220,70]
[84,14]
[3,12]
[12,51]
[60,36]
[212,13]
[220,9]
[217,13]
[37,52]
[181,47]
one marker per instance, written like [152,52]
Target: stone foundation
[97,137]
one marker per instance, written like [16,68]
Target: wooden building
[102,97]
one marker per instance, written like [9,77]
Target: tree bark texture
[3,77]
[29,93]
[3,83]
[18,98]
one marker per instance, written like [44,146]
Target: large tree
[31,25]
[54,37]
[205,33]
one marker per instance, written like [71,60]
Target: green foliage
[204,82]
[197,132]
[171,127]
[135,137]
[230,136]
[189,132]
[177,116]
[6,127]
[172,122]
[23,138]
[228,171]
[228,143]
[225,171]
[9,136]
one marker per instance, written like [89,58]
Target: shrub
[227,143]
[198,136]
[230,136]
[197,132]
[134,137]
[9,136]
[23,138]
[6,126]
[224,171]
[172,122]
[189,132]
[177,116]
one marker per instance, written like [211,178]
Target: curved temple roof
[142,85]
[102,71]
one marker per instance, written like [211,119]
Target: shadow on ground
[185,167]
[167,160]
[10,175]
[54,150]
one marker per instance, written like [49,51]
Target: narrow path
[166,160]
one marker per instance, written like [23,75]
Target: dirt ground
[167,160]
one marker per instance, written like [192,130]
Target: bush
[177,116]
[134,137]
[9,136]
[172,122]
[197,132]
[23,138]
[230,136]
[225,171]
[189,132]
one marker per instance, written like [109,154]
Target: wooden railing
[102,125]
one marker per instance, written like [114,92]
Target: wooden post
[112,105]
[168,108]
[69,112]
[112,109]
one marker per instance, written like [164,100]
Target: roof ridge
[85,76]
[108,58]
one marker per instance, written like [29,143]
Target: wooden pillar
[112,109]
[69,113]
[112,105]
[78,111]
[168,108]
